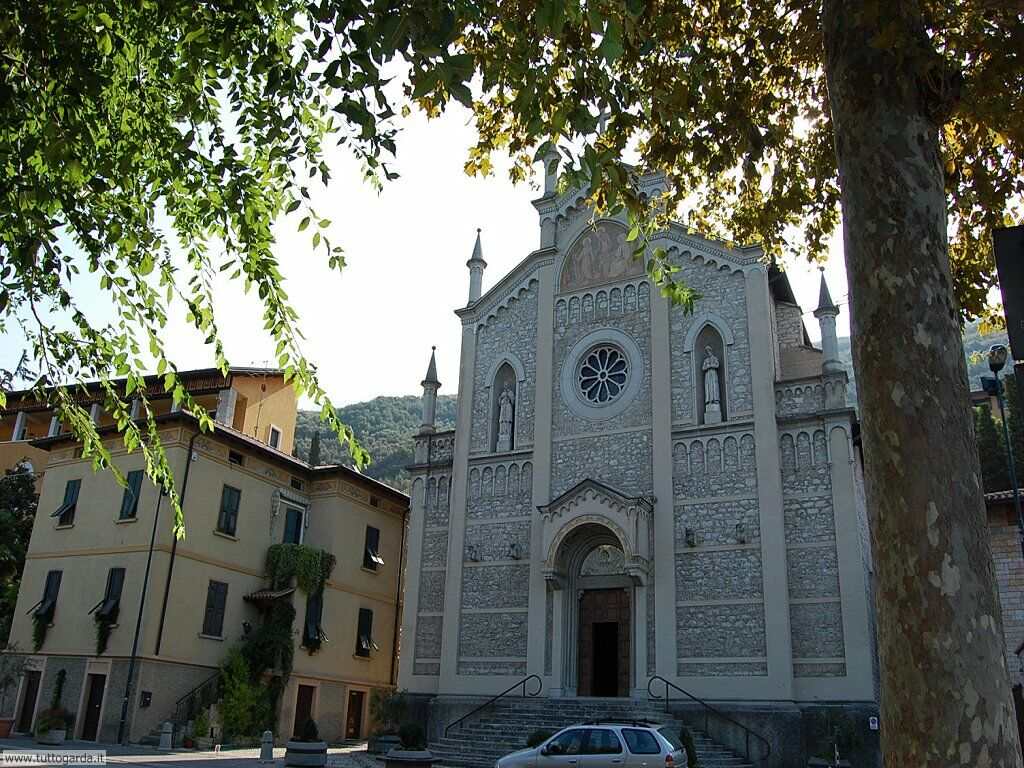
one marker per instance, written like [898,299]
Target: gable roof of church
[612,494]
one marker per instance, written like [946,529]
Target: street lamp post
[997,356]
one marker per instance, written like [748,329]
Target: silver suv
[611,744]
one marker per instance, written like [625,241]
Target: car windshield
[671,735]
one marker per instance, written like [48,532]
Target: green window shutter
[66,511]
[371,552]
[311,632]
[230,499]
[130,499]
[364,635]
[216,598]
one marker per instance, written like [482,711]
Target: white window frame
[270,436]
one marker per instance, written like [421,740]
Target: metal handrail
[523,682]
[184,708]
[747,732]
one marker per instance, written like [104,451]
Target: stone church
[631,490]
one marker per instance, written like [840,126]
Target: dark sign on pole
[1008,244]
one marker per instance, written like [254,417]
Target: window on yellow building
[130,499]
[110,605]
[46,607]
[364,635]
[65,513]
[371,553]
[216,600]
[227,520]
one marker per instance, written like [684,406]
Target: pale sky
[369,329]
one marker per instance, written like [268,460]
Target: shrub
[309,731]
[201,725]
[691,749]
[243,702]
[537,738]
[412,736]
[387,708]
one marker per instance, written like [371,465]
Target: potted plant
[54,722]
[12,664]
[413,752]
[387,708]
[305,748]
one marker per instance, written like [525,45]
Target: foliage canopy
[150,147]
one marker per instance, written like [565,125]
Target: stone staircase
[504,727]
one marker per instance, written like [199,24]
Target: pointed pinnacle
[478,251]
[825,302]
[431,377]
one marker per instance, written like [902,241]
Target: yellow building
[93,541]
[261,404]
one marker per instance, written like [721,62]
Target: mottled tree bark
[945,687]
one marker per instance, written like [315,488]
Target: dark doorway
[28,701]
[603,643]
[354,715]
[93,704]
[303,708]
[606,658]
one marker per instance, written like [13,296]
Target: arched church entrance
[598,647]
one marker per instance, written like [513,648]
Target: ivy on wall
[39,626]
[310,567]
[104,624]
[268,652]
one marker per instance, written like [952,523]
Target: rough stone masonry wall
[724,294]
[790,324]
[512,329]
[816,617]
[720,628]
[615,451]
[496,569]
[433,565]
[1006,556]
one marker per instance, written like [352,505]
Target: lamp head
[997,356]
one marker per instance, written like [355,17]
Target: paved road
[352,756]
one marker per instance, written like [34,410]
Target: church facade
[632,490]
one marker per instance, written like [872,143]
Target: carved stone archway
[591,570]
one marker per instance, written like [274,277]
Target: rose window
[602,375]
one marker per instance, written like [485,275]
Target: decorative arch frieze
[496,311]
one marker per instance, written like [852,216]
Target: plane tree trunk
[945,690]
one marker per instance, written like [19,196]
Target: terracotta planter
[409,758]
[52,737]
[306,754]
[6,724]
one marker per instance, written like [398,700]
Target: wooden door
[604,619]
[93,704]
[303,708]
[28,701]
[354,715]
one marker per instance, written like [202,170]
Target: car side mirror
[544,750]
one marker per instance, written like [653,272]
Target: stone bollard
[167,735]
[267,747]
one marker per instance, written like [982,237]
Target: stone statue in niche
[712,392]
[506,415]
